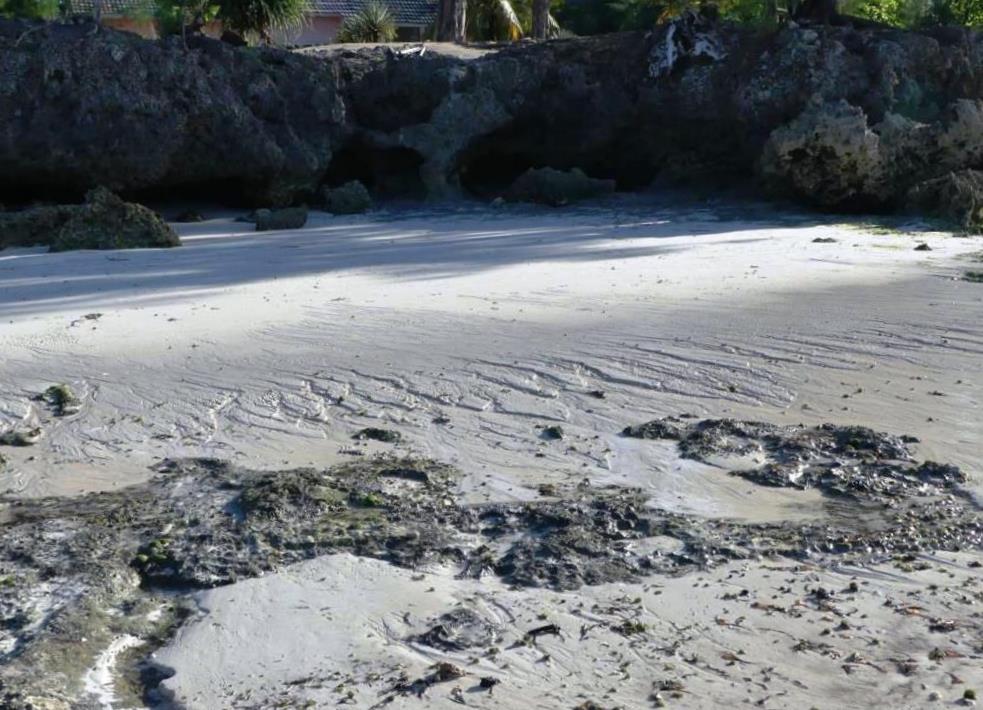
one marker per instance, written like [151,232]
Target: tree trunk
[825,12]
[445,20]
[540,19]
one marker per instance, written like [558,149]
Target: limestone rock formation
[834,116]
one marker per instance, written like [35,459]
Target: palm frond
[493,20]
[509,18]
[262,16]
[553,28]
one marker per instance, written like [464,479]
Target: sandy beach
[469,330]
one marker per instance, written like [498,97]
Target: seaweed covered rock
[60,399]
[350,198]
[286,218]
[33,227]
[387,436]
[557,187]
[106,221]
[204,522]
[957,197]
[458,630]
[847,461]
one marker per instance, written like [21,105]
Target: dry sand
[273,349]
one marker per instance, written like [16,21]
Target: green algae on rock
[33,227]
[60,399]
[106,221]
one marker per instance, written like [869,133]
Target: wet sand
[467,331]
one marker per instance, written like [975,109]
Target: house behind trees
[324,18]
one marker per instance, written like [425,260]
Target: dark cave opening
[391,172]
[227,192]
[492,163]
[15,197]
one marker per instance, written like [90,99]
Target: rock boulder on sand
[350,198]
[832,156]
[33,227]
[286,218]
[104,221]
[957,197]
[557,187]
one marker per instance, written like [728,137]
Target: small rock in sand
[552,432]
[557,187]
[387,436]
[287,218]
[60,399]
[20,437]
[457,630]
[350,198]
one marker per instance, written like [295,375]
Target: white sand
[337,629]
[273,349]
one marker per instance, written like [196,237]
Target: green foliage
[373,23]
[173,15]
[597,16]
[261,17]
[899,13]
[918,13]
[755,12]
[954,12]
[505,20]
[29,9]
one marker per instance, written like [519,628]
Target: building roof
[113,8]
[407,12]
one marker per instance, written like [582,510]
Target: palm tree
[488,20]
[540,19]
[452,21]
[493,20]
[261,17]
[824,11]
